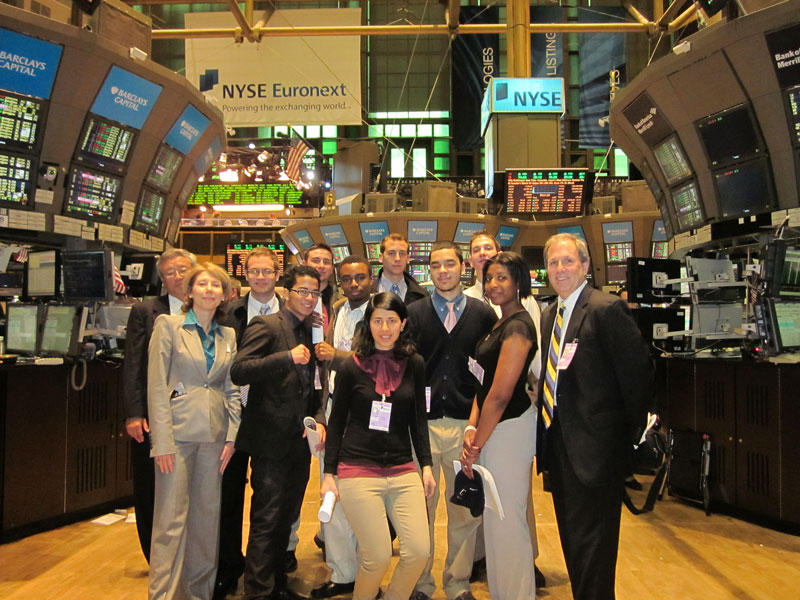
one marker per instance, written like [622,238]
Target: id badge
[427,399]
[380,415]
[475,369]
[567,355]
[346,344]
[317,379]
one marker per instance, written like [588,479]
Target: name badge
[475,369]
[427,399]
[380,415]
[317,379]
[567,355]
[346,345]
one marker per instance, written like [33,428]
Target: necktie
[552,373]
[395,289]
[264,309]
[450,320]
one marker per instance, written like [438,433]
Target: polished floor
[675,553]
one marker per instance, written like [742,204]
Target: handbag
[649,455]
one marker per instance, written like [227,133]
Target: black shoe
[286,594]
[290,562]
[478,571]
[329,589]
[631,482]
[224,585]
[538,577]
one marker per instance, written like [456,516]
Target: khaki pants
[366,502]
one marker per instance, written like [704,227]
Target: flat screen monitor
[718,320]
[616,273]
[784,319]
[21,121]
[539,278]
[420,272]
[419,251]
[548,191]
[659,250]
[688,207]
[372,251]
[60,331]
[42,274]
[22,328]
[236,256]
[793,114]
[92,195]
[655,322]
[713,271]
[619,252]
[17,179]
[782,269]
[666,216]
[164,168]
[650,179]
[105,143]
[114,317]
[87,275]
[745,188]
[672,160]
[643,274]
[149,211]
[730,136]
[340,253]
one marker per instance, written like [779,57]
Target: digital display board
[16,180]
[688,208]
[372,251]
[730,136]
[660,250]
[547,191]
[149,212]
[340,253]
[92,195]
[619,252]
[106,142]
[21,121]
[793,114]
[419,251]
[236,254]
[672,160]
[745,188]
[164,168]
[246,193]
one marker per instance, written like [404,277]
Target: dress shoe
[286,594]
[329,589]
[225,585]
[538,577]
[290,562]
[478,571]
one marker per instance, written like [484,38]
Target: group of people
[404,387]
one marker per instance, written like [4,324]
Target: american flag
[297,151]
[21,255]
[119,285]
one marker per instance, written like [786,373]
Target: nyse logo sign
[527,95]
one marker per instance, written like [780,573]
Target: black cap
[469,492]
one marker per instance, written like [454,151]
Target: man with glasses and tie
[597,382]
[277,361]
[447,327]
[393,276]
[261,272]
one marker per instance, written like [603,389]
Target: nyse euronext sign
[543,95]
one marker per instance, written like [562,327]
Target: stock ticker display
[546,191]
[16,173]
[20,121]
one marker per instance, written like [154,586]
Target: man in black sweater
[447,327]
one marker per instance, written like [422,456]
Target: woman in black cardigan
[378,412]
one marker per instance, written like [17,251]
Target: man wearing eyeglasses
[277,361]
[261,266]
[172,265]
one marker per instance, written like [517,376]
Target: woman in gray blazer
[194,417]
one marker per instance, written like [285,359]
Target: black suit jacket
[275,405]
[137,341]
[602,398]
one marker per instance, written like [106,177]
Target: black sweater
[349,437]
[453,387]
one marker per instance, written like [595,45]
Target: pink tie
[450,320]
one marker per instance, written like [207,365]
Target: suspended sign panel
[280,80]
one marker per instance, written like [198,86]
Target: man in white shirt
[483,246]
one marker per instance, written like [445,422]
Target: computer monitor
[372,251]
[643,275]
[672,160]
[61,331]
[236,255]
[164,168]
[730,136]
[340,253]
[105,143]
[420,272]
[713,280]
[17,179]
[548,191]
[113,317]
[42,274]
[745,188]
[92,195]
[22,328]
[618,252]
[783,318]
[22,121]
[720,321]
[659,250]
[149,212]
[688,207]
[657,323]
[87,275]
[782,269]
[792,101]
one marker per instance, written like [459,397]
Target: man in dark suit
[596,384]
[172,265]
[393,276]
[261,272]
[276,360]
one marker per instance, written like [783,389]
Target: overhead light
[310,175]
[203,208]
[229,176]
[251,145]
[262,158]
[248,207]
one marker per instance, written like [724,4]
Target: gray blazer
[186,403]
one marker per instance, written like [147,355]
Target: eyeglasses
[304,293]
[257,272]
[175,272]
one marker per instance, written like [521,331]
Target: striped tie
[552,373]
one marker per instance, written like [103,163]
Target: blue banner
[422,231]
[373,232]
[126,98]
[547,51]
[187,130]
[302,237]
[506,235]
[333,234]
[28,65]
[659,232]
[617,232]
[208,157]
[465,230]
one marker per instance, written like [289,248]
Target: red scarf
[386,370]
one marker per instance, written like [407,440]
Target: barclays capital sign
[542,95]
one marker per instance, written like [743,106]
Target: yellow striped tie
[551,374]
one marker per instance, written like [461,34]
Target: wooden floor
[675,553]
